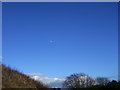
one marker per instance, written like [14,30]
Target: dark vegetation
[82,80]
[14,79]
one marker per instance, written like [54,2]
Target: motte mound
[14,79]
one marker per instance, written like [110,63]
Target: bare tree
[80,80]
[89,81]
[102,81]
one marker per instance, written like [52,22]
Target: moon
[51,41]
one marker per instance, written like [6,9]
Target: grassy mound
[14,79]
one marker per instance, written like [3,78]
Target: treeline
[81,80]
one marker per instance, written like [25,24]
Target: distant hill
[14,79]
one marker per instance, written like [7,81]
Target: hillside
[14,79]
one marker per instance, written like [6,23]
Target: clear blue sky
[60,39]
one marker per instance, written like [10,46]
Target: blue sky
[59,39]
[0,32]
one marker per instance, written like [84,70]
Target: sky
[59,39]
[0,32]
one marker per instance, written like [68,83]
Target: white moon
[51,41]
